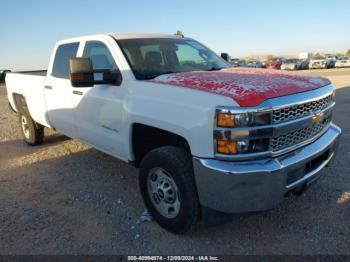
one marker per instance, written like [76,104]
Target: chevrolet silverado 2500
[200,132]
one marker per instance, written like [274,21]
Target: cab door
[58,91]
[99,109]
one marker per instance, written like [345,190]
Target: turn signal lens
[226,147]
[225,120]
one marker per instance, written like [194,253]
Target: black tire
[33,133]
[178,164]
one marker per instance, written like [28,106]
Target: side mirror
[81,72]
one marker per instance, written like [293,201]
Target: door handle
[79,93]
[48,87]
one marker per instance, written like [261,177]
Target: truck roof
[119,36]
[140,35]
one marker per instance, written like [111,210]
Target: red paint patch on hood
[247,86]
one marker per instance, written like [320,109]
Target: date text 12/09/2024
[174,258]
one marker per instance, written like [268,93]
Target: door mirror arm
[113,77]
[108,76]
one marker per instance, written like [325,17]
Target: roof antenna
[179,34]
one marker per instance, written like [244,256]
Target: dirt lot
[65,198]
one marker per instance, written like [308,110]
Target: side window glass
[102,60]
[100,56]
[61,62]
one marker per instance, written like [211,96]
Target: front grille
[298,136]
[288,124]
[297,111]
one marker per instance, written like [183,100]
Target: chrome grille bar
[293,138]
[300,110]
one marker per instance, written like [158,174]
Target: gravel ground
[64,197]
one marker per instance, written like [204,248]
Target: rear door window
[64,53]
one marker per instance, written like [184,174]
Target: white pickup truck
[202,133]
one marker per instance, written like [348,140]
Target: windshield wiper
[148,77]
[214,69]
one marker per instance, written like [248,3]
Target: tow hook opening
[298,191]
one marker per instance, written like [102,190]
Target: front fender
[185,112]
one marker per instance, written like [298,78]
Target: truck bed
[35,73]
[29,84]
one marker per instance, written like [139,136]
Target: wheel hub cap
[25,127]
[163,192]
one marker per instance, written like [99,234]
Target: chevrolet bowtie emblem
[318,118]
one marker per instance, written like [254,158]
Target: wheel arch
[20,103]
[145,138]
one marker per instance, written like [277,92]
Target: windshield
[151,57]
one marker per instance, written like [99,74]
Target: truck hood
[247,86]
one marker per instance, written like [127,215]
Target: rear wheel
[168,188]
[33,133]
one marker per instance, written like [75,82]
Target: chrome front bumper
[257,185]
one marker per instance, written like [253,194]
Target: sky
[29,29]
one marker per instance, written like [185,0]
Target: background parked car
[3,74]
[275,63]
[305,63]
[255,64]
[343,62]
[320,62]
[234,62]
[292,64]
[331,60]
[238,63]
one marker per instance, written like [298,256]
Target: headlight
[229,120]
[224,119]
[233,147]
[241,146]
[244,119]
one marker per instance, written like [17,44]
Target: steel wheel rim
[163,192]
[25,127]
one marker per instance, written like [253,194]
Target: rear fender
[20,103]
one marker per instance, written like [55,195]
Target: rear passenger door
[99,109]
[58,91]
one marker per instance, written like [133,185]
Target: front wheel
[33,133]
[168,188]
